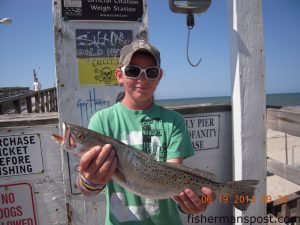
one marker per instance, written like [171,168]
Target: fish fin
[242,193]
[205,174]
[57,138]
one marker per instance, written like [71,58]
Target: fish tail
[242,193]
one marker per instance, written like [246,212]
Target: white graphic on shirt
[134,138]
[125,213]
[155,147]
[151,206]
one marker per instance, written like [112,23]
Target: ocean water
[285,99]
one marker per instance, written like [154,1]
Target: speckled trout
[142,175]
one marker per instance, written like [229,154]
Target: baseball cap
[138,45]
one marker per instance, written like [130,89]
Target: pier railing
[286,120]
[38,101]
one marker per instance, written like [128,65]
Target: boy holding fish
[139,122]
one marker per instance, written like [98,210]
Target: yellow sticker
[97,71]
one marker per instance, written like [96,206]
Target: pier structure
[246,42]
[37,173]
[229,140]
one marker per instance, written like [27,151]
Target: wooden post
[29,104]
[248,97]
[85,76]
[285,210]
[52,96]
[55,100]
[17,106]
[298,211]
[47,101]
[42,96]
[1,109]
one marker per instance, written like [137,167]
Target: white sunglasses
[134,72]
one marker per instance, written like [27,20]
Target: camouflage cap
[138,45]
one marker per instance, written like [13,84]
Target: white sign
[204,131]
[17,204]
[20,154]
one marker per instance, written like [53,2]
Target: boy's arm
[96,168]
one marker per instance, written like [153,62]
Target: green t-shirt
[157,131]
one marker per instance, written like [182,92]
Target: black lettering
[22,169]
[203,133]
[13,170]
[3,171]
[21,159]
[3,151]
[20,141]
[32,140]
[25,149]
[27,159]
[12,141]
[12,151]
[189,123]
[14,160]
[211,122]
[29,168]
[25,140]
[2,162]
[7,141]
[198,144]
[206,122]
[18,150]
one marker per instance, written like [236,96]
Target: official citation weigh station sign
[20,154]
[17,205]
[121,10]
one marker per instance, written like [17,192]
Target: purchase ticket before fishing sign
[204,131]
[20,154]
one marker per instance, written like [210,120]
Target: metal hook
[190,25]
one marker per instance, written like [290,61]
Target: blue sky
[28,44]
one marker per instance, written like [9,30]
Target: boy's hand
[190,202]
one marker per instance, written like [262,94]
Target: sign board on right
[204,131]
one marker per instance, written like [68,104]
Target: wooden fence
[286,120]
[38,101]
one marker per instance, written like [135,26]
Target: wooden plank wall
[47,185]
